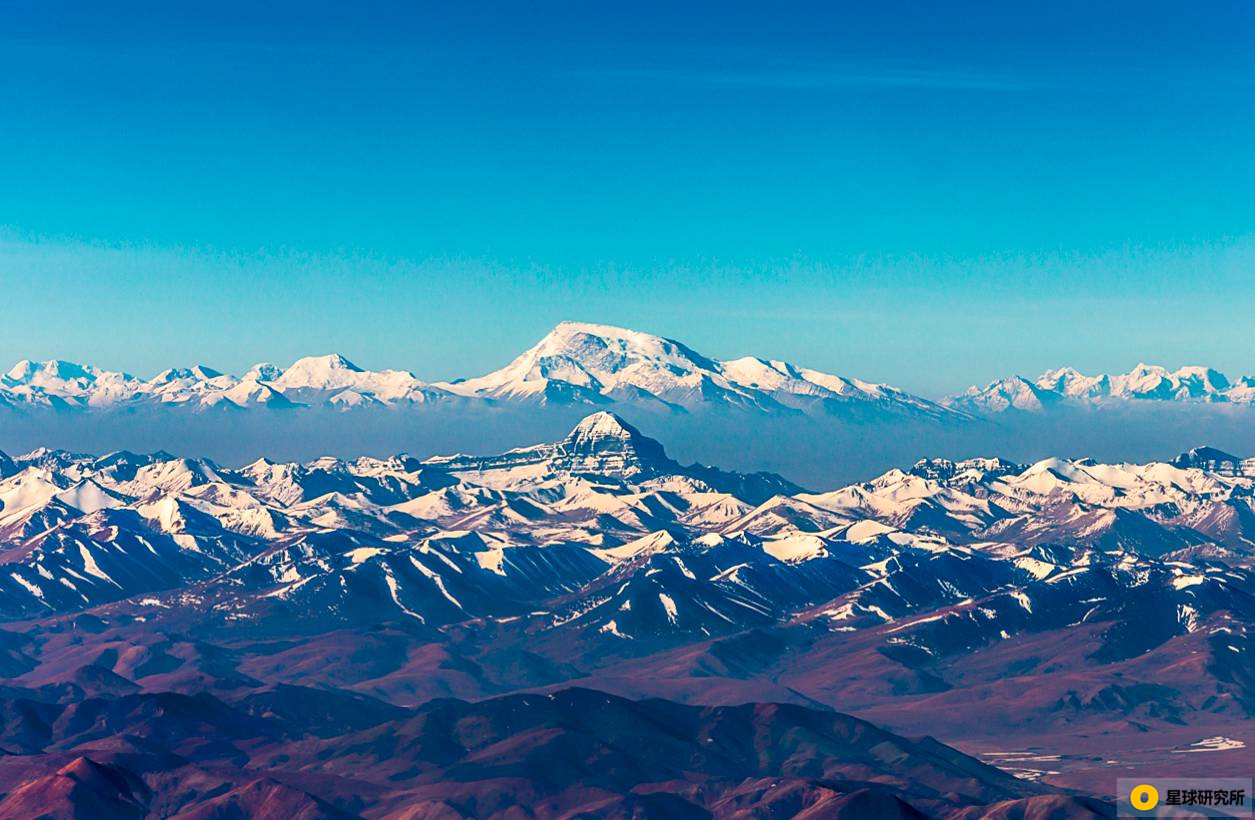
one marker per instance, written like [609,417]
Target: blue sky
[928,194]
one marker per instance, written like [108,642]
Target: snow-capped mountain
[89,529]
[604,446]
[555,518]
[1066,386]
[597,364]
[1152,508]
[1215,461]
[1110,592]
[574,364]
[330,380]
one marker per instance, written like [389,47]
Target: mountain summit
[578,361]
[603,446]
[597,364]
[322,372]
[604,432]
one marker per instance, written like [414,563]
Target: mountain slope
[1074,599]
[595,364]
[574,364]
[603,445]
[302,753]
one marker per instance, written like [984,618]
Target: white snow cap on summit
[576,362]
[1145,382]
[602,365]
[597,357]
[54,372]
[600,424]
[321,372]
[593,363]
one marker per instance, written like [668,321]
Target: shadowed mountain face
[574,752]
[163,612]
[604,445]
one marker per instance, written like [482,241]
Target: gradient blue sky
[924,193]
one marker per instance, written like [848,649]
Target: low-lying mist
[815,451]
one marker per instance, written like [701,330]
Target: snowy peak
[601,431]
[577,361]
[601,444]
[199,373]
[1014,393]
[595,364]
[605,435]
[332,380]
[320,372]
[1067,381]
[1067,386]
[1145,381]
[608,349]
[53,371]
[604,446]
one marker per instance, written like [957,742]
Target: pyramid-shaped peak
[605,432]
[603,424]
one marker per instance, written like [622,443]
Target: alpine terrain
[399,637]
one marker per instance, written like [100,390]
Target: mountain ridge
[575,363]
[579,363]
[603,444]
[1074,599]
[1066,386]
[290,751]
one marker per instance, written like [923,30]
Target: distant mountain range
[1067,387]
[574,364]
[598,364]
[750,414]
[591,364]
